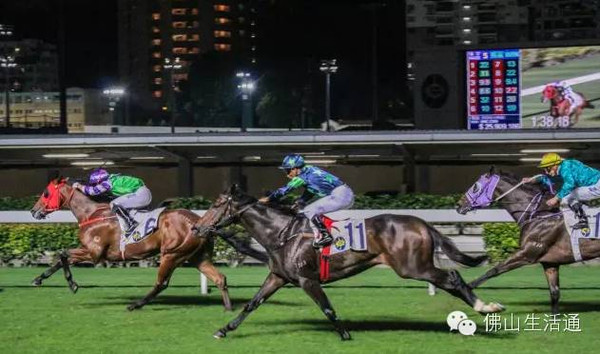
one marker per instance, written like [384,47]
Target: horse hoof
[36,282]
[345,335]
[74,287]
[219,334]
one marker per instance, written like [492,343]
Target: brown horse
[560,106]
[100,233]
[544,238]
[405,243]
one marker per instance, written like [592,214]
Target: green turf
[384,313]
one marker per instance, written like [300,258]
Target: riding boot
[326,238]
[583,220]
[129,220]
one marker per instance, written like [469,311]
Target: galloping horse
[405,243]
[100,234]
[560,106]
[544,238]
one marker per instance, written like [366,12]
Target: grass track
[384,313]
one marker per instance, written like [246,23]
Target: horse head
[550,92]
[57,194]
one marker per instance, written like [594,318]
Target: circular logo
[339,243]
[434,91]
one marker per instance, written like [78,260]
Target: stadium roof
[360,147]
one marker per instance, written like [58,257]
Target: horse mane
[285,209]
[530,188]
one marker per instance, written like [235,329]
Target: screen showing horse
[540,88]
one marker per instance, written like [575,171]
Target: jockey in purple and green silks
[130,191]
[331,192]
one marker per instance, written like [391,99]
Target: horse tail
[449,249]
[243,247]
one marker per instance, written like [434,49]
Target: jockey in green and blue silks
[332,193]
[580,183]
[130,191]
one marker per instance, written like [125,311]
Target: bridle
[61,201]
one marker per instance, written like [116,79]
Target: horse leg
[515,261]
[551,272]
[64,259]
[47,273]
[314,290]
[269,287]
[211,272]
[168,263]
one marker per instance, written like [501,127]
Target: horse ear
[492,170]
[233,189]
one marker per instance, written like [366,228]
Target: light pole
[246,87]
[169,66]
[328,67]
[114,95]
[7,61]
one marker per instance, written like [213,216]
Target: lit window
[222,20]
[156,42]
[222,47]
[157,94]
[156,68]
[179,77]
[221,7]
[158,81]
[194,51]
[194,11]
[179,37]
[178,11]
[222,34]
[155,30]
[179,24]
[156,55]
[180,50]
[156,16]
[194,37]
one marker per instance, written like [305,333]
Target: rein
[94,220]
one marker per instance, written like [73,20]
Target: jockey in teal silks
[130,191]
[332,194]
[580,183]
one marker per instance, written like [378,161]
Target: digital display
[493,89]
[541,88]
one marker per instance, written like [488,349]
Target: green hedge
[28,242]
[501,240]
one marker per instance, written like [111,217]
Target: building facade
[159,40]
[36,65]
[39,109]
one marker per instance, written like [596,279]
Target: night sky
[306,30]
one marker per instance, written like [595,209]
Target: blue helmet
[292,161]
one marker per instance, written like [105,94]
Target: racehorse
[560,106]
[544,238]
[405,243]
[100,234]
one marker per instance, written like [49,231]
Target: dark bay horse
[544,238]
[405,243]
[100,234]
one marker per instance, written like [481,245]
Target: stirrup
[323,241]
[131,228]
[581,224]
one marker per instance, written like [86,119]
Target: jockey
[332,193]
[130,191]
[580,183]
[566,91]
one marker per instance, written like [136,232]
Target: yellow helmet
[550,159]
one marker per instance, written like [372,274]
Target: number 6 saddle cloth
[147,224]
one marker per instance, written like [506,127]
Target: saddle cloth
[576,234]
[147,224]
[349,234]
